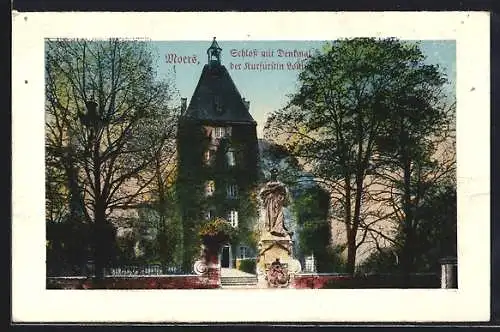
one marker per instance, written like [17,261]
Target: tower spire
[213,52]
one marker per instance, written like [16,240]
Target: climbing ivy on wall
[194,173]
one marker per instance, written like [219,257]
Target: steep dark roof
[216,98]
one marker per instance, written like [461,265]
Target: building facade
[217,161]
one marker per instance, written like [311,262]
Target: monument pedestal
[276,266]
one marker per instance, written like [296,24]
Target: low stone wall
[345,281]
[135,282]
[316,280]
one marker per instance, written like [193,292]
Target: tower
[217,160]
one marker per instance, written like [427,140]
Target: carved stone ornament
[200,267]
[277,275]
[295,266]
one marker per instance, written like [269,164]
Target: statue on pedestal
[276,265]
[274,196]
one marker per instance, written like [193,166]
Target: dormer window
[219,132]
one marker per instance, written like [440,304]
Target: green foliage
[193,173]
[436,228]
[434,234]
[247,265]
[190,186]
[164,221]
[67,247]
[383,261]
[331,260]
[363,108]
[276,156]
[107,119]
[217,230]
[311,206]
[125,249]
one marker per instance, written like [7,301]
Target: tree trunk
[408,241]
[351,253]
[100,252]
[350,229]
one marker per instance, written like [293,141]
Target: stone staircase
[232,278]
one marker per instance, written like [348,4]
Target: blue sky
[267,90]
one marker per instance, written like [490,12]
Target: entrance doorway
[225,256]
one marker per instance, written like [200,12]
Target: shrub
[383,261]
[330,260]
[216,231]
[247,265]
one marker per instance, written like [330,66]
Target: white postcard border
[31,302]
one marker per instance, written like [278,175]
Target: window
[219,132]
[230,157]
[209,156]
[209,188]
[210,214]
[243,252]
[232,191]
[233,218]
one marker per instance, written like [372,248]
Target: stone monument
[276,266]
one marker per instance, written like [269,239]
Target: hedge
[247,265]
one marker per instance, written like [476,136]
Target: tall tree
[416,155]
[104,102]
[348,95]
[433,233]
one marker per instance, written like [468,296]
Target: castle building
[217,161]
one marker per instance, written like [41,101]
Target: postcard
[251,167]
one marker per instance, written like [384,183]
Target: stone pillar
[310,264]
[230,256]
[449,277]
[213,264]
[209,266]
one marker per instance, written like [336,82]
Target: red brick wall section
[422,280]
[146,282]
[314,281]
